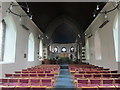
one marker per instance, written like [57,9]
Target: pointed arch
[72,49]
[116,32]
[87,49]
[31,47]
[60,20]
[40,50]
[98,55]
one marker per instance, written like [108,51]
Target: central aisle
[64,80]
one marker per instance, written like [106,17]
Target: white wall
[106,36]
[21,43]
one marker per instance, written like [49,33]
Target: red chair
[35,82]
[87,75]
[4,82]
[38,88]
[107,85]
[8,88]
[97,76]
[114,71]
[47,71]
[106,75]
[40,71]
[117,83]
[107,82]
[25,71]
[115,75]
[18,71]
[32,75]
[13,82]
[95,82]
[9,75]
[24,75]
[106,71]
[77,76]
[81,71]
[82,83]
[41,75]
[24,82]
[22,88]
[47,82]
[32,71]
[90,88]
[17,75]
[106,88]
[51,75]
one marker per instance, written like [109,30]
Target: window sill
[6,62]
[30,61]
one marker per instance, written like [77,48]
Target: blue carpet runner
[64,81]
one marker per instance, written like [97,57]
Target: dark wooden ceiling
[45,12]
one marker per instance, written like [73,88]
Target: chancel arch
[60,20]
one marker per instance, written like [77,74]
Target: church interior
[59,45]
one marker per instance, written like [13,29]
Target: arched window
[72,49]
[97,46]
[87,50]
[31,47]
[2,38]
[41,50]
[55,49]
[10,40]
[64,49]
[50,48]
[115,34]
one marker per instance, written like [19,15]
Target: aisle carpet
[64,81]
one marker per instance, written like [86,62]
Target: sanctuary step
[64,66]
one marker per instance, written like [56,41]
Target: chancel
[60,44]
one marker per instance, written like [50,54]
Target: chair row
[98,88]
[99,75]
[24,88]
[37,72]
[47,67]
[81,70]
[94,78]
[41,69]
[38,76]
[31,75]
[94,71]
[44,88]
[86,66]
[48,82]
[79,83]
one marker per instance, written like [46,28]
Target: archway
[60,20]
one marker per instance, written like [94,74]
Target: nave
[52,77]
[59,45]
